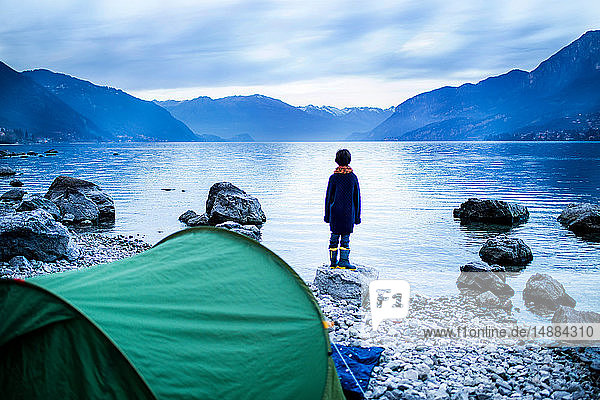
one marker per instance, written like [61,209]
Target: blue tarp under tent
[354,366]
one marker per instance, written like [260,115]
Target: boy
[342,209]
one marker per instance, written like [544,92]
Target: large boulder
[65,188]
[227,202]
[477,278]
[77,204]
[7,171]
[583,218]
[491,212]
[231,208]
[568,315]
[35,202]
[345,284]
[14,195]
[35,235]
[546,293]
[248,230]
[506,251]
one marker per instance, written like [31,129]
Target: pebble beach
[411,366]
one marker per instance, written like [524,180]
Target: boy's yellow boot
[333,252]
[345,259]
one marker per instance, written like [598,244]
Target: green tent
[204,314]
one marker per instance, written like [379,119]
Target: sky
[340,53]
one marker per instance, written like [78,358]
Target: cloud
[346,91]
[185,45]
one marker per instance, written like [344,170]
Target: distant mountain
[515,105]
[267,119]
[119,115]
[356,118]
[27,106]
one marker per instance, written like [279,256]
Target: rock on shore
[345,284]
[35,235]
[38,202]
[94,248]
[583,218]
[491,212]
[508,252]
[546,293]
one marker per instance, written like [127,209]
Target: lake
[409,190]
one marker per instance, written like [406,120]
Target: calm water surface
[408,193]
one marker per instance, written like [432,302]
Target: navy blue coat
[342,203]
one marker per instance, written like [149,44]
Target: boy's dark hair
[343,157]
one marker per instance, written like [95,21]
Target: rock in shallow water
[491,212]
[231,208]
[77,204]
[248,230]
[35,235]
[477,277]
[14,195]
[185,217]
[227,202]
[345,284]
[16,183]
[7,171]
[546,293]
[190,218]
[568,315]
[581,218]
[64,186]
[505,251]
[199,220]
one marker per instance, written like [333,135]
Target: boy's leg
[345,241]
[345,252]
[333,249]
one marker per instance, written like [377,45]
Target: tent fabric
[360,361]
[206,313]
[39,354]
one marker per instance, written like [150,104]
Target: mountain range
[560,99]
[118,115]
[26,105]
[267,119]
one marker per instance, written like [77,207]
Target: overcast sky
[321,52]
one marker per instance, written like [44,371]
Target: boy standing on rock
[342,209]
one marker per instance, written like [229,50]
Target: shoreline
[411,367]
